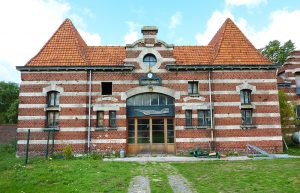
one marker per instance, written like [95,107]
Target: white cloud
[91,39]
[133,33]
[25,28]
[175,20]
[212,26]
[282,27]
[248,3]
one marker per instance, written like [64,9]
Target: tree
[287,112]
[278,53]
[9,94]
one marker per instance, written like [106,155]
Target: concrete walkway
[139,184]
[183,159]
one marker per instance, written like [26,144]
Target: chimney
[149,35]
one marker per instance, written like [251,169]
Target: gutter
[205,67]
[75,68]
[211,111]
[90,100]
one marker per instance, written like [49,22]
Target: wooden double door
[150,135]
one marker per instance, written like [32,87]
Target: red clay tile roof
[190,55]
[232,47]
[105,55]
[67,48]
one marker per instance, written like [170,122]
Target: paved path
[182,159]
[179,184]
[139,184]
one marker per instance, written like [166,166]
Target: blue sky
[27,24]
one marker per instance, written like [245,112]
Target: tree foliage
[278,53]
[287,112]
[9,94]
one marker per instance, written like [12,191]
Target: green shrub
[96,156]
[68,152]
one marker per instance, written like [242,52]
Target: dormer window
[149,60]
[245,96]
[53,99]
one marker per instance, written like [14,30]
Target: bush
[96,156]
[68,152]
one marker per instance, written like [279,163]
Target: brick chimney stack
[149,34]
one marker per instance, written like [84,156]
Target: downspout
[90,98]
[211,110]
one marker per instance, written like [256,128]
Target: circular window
[150,60]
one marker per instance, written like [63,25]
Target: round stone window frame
[145,67]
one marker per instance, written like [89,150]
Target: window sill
[197,127]
[52,108]
[105,128]
[248,126]
[194,95]
[51,129]
[246,106]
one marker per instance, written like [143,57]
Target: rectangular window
[298,112]
[246,116]
[100,118]
[192,87]
[188,117]
[297,79]
[52,118]
[53,99]
[112,118]
[204,118]
[106,88]
[246,96]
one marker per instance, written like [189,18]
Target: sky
[26,25]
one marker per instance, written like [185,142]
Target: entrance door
[151,135]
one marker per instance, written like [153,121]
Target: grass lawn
[88,175]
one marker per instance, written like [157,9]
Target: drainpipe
[211,111]
[90,98]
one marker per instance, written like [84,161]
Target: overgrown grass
[277,175]
[87,174]
[293,151]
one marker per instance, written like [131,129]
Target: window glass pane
[138,100]
[298,111]
[195,87]
[188,118]
[146,99]
[170,101]
[55,122]
[100,117]
[130,101]
[190,88]
[154,99]
[56,99]
[201,118]
[242,97]
[247,117]
[297,81]
[52,99]
[112,118]
[162,100]
[50,119]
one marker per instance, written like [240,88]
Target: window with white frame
[246,116]
[112,119]
[204,118]
[188,118]
[52,118]
[245,96]
[53,98]
[193,87]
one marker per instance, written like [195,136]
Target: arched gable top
[246,86]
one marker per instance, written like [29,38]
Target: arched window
[149,60]
[246,96]
[53,98]
[150,99]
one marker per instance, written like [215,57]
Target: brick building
[289,82]
[149,96]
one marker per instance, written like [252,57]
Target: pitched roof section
[193,55]
[66,47]
[232,47]
[106,55]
